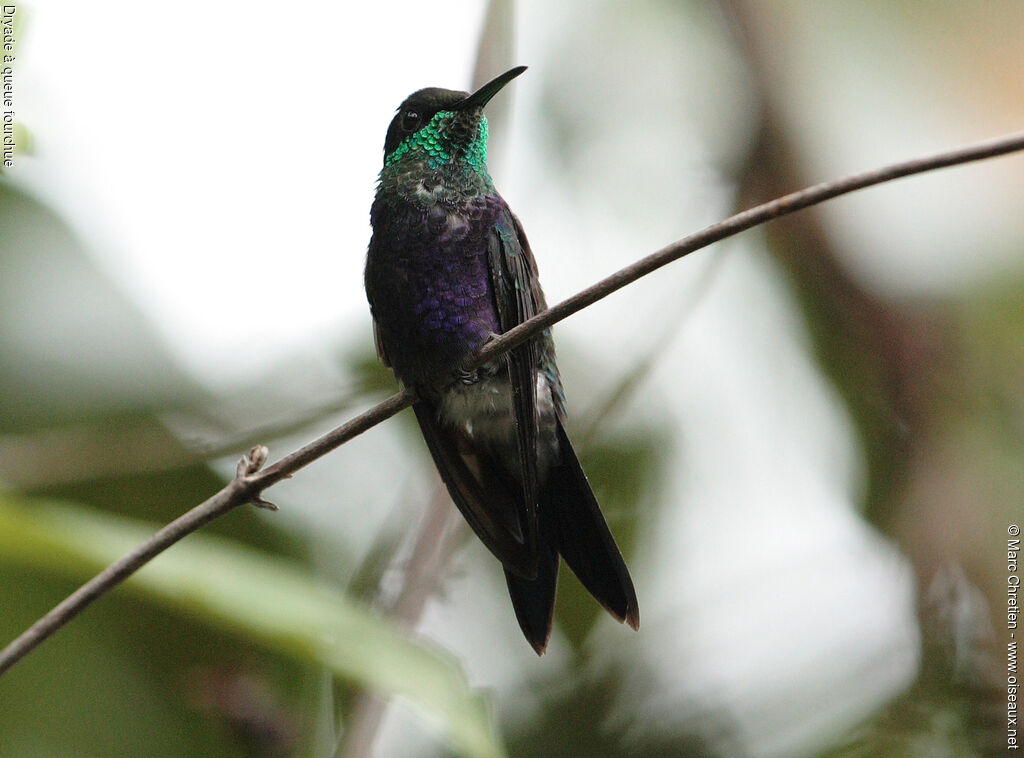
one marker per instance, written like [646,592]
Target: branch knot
[247,468]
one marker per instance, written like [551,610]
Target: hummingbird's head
[439,126]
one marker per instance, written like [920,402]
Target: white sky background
[244,144]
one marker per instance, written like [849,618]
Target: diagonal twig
[251,480]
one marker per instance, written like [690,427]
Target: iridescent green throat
[434,142]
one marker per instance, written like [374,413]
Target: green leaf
[260,597]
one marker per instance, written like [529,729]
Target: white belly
[483,411]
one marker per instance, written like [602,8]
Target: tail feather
[482,491]
[584,539]
[534,599]
[571,524]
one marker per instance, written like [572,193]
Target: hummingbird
[448,268]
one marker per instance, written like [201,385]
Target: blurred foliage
[956,709]
[250,594]
[74,347]
[594,700]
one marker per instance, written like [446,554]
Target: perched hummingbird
[448,268]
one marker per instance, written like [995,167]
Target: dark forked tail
[571,524]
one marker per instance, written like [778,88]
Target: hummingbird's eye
[410,121]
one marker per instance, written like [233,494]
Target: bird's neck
[444,162]
[416,182]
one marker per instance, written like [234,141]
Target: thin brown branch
[782,206]
[246,487]
[249,484]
